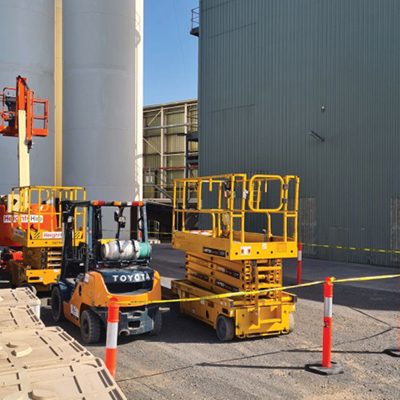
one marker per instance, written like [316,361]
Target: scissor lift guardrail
[237,199]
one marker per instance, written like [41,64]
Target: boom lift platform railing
[34,214]
[226,256]
[31,231]
[23,98]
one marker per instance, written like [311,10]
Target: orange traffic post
[327,367]
[299,262]
[112,336]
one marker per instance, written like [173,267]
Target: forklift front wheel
[225,328]
[90,327]
[157,321]
[57,311]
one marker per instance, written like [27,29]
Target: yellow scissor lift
[226,257]
[31,225]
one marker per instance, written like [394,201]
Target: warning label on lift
[8,218]
[245,250]
[214,252]
[52,235]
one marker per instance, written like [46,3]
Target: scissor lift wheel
[225,328]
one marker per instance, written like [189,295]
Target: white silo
[102,97]
[27,49]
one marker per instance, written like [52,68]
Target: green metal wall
[272,72]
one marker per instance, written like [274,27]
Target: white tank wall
[27,49]
[102,135]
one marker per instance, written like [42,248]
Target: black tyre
[32,288]
[157,319]
[90,327]
[225,328]
[57,310]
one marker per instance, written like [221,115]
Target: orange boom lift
[30,216]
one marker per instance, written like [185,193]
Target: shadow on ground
[351,296]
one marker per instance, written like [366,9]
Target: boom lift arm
[18,119]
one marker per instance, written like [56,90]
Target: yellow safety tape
[365,278]
[262,291]
[371,250]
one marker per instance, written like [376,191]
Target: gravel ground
[187,361]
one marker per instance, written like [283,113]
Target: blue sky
[170,52]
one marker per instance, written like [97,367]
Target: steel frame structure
[159,143]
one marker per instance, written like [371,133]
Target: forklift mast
[99,252]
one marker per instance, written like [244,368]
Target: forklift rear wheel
[30,287]
[225,328]
[90,327]
[157,320]
[57,305]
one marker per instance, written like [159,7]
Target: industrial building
[309,88]
[170,151]
[170,147]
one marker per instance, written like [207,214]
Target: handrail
[230,198]
[195,19]
[35,210]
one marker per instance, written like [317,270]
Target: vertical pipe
[138,109]
[186,147]
[162,165]
[58,95]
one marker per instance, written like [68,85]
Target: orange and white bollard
[327,367]
[112,336]
[299,262]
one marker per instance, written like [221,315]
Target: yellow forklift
[30,216]
[226,256]
[101,268]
